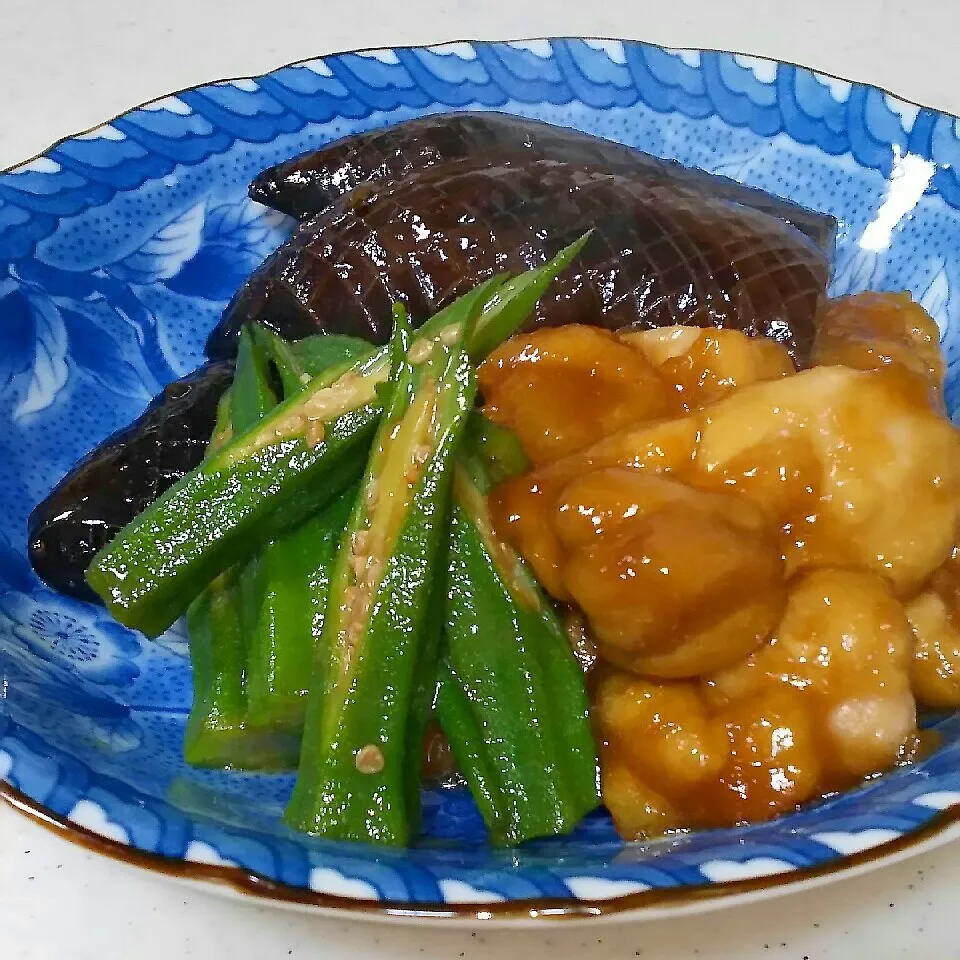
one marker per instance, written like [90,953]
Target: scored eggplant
[311,183]
[662,255]
[360,763]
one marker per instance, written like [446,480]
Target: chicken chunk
[858,474]
[671,760]
[705,365]
[883,331]
[561,389]
[935,618]
[844,644]
[523,508]
[675,582]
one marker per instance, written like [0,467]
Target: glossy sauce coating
[768,575]
[934,616]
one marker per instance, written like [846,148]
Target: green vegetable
[491,453]
[251,395]
[291,588]
[217,733]
[287,467]
[328,351]
[512,700]
[299,362]
[293,572]
[362,746]
[255,488]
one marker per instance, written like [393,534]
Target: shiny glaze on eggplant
[122,477]
[309,184]
[661,254]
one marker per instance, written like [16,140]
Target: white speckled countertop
[82,63]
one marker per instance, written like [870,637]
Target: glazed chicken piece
[707,365]
[670,759]
[524,507]
[823,704]
[857,472]
[844,644]
[675,582]
[851,471]
[935,618]
[883,331]
[562,389]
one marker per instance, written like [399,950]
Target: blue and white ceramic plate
[118,249]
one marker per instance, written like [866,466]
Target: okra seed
[420,350]
[373,572]
[421,452]
[450,335]
[350,596]
[370,500]
[370,759]
[315,433]
[359,540]
[363,608]
[359,563]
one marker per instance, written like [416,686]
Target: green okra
[329,352]
[293,571]
[217,733]
[291,589]
[512,699]
[297,363]
[490,453]
[257,486]
[362,744]
[270,479]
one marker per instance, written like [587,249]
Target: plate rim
[300,61]
[258,889]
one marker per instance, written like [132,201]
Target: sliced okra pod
[218,734]
[293,572]
[363,736]
[512,699]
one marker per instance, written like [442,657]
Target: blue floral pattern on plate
[119,248]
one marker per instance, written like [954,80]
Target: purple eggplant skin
[121,477]
[309,184]
[660,254]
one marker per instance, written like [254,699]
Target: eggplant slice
[310,184]
[661,254]
[122,477]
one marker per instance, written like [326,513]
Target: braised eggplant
[123,476]
[661,254]
[310,183]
